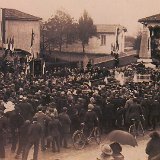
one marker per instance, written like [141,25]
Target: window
[103,40]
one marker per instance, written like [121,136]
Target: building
[109,38]
[19,29]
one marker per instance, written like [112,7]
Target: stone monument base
[147,60]
[147,63]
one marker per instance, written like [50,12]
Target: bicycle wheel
[97,135]
[78,139]
[132,130]
[140,129]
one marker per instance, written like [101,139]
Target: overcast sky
[124,12]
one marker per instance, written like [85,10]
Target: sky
[124,12]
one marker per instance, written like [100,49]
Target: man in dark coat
[16,120]
[3,126]
[34,136]
[43,120]
[155,113]
[146,106]
[66,122]
[109,112]
[55,128]
[134,111]
[23,137]
[61,102]
[91,119]
[25,108]
[153,146]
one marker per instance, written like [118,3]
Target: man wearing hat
[66,123]
[26,109]
[34,136]
[155,113]
[42,119]
[91,119]
[106,152]
[146,104]
[54,128]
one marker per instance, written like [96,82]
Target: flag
[27,69]
[12,44]
[117,44]
[6,44]
[9,44]
[32,38]
[44,66]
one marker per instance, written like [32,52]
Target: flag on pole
[32,38]
[6,44]
[117,44]
[32,41]
[12,44]
[44,66]
[9,44]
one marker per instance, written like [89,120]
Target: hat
[116,147]
[9,105]
[62,93]
[64,108]
[154,135]
[21,98]
[106,149]
[27,122]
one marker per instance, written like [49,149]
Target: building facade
[110,38]
[20,29]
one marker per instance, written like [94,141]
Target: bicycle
[80,140]
[136,128]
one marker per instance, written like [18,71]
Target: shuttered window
[103,40]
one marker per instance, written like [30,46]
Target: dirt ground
[90,152]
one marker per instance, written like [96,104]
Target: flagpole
[33,67]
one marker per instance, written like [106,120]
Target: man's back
[91,118]
[35,131]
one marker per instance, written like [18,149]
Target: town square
[79,80]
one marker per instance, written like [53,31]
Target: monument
[150,42]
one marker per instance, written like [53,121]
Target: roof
[105,28]
[13,14]
[154,18]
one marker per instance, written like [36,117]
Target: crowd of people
[49,108]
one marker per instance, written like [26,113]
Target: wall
[94,45]
[22,32]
